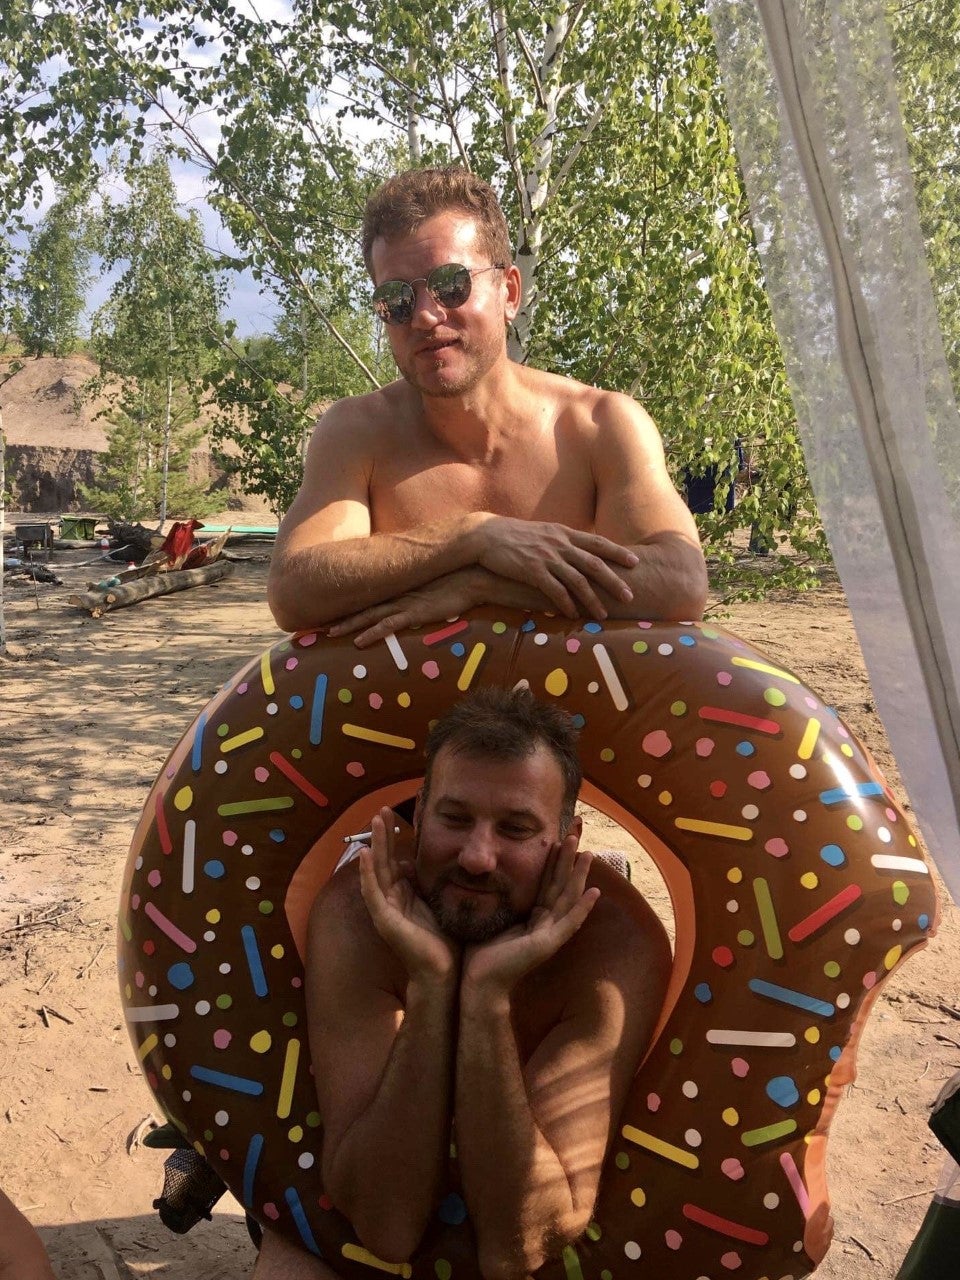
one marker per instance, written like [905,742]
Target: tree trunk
[106,598]
[3,489]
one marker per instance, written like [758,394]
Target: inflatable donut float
[796,883]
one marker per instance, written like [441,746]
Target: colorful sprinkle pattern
[797,886]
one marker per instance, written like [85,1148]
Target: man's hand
[564,564]
[564,902]
[399,914]
[446,597]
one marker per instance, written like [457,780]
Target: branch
[528,58]
[498,26]
[574,153]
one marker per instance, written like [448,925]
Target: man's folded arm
[383,1071]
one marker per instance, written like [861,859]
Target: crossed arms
[395,1066]
[641,559]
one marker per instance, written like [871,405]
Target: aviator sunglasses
[394,301]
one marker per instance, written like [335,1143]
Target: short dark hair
[509,724]
[408,199]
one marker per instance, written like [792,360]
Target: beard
[479,359]
[464,923]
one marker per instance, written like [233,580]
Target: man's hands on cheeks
[492,969]
[399,914]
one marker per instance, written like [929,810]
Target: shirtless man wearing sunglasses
[473,479]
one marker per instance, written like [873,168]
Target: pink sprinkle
[657,744]
[673,1239]
[139,979]
[222,1038]
[292,663]
[841,729]
[376,701]
[732,1168]
[723,956]
[869,980]
[230,838]
[891,815]
[296,982]
[740,1067]
[644,626]
[573,644]
[305,641]
[777,847]
[653,1102]
[705,747]
[718,789]
[430,669]
[759,779]
[242,688]
[134,901]
[261,774]
[355,769]
[732,1261]
[271,1211]
[224,1153]
[812,703]
[724,678]
[171,770]
[154,878]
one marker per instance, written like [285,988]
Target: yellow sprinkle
[295,1134]
[213,916]
[557,682]
[266,675]
[665,797]
[183,799]
[812,1035]
[846,749]
[809,739]
[403,699]
[277,951]
[356,1253]
[285,1099]
[148,1046]
[666,1149]
[639,1197]
[374,735]
[731,1116]
[261,1041]
[166,1072]
[734,875]
[713,829]
[809,880]
[768,919]
[470,666]
[241,739]
[892,956]
[766,669]
[813,1097]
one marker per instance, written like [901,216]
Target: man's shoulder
[583,404]
[373,411]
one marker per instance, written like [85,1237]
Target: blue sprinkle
[529,625]
[703,993]
[783,1091]
[833,855]
[214,869]
[452,1210]
[835,1053]
[689,641]
[300,1218]
[578,723]
[296,702]
[180,976]
[592,627]
[278,835]
[458,650]
[923,921]
[746,749]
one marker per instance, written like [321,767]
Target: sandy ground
[89,711]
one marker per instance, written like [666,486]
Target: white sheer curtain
[813,105]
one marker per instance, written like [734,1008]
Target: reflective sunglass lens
[450,285]
[393,301]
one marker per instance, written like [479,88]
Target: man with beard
[474,479]
[497,984]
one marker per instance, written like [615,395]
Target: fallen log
[102,600]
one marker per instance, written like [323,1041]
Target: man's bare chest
[524,486]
